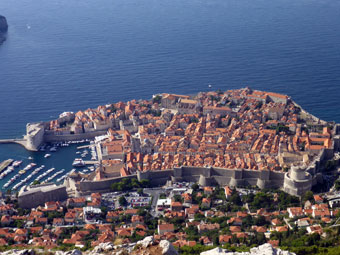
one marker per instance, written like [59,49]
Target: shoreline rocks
[3,24]
[3,28]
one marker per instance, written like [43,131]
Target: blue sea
[66,55]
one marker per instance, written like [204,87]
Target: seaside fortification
[34,136]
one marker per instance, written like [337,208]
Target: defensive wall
[215,176]
[51,137]
[85,187]
[295,182]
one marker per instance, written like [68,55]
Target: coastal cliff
[3,28]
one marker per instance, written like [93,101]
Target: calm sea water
[69,54]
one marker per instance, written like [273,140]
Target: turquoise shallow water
[69,54]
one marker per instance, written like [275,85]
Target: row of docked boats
[9,170]
[44,174]
[65,175]
[54,176]
[55,146]
[27,168]
[21,172]
[24,181]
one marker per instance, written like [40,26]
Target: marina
[25,170]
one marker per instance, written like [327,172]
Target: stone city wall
[214,176]
[219,176]
[51,137]
[88,187]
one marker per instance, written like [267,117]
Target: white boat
[29,166]
[47,155]
[17,163]
[30,158]
[78,162]
[53,149]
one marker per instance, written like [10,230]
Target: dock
[5,164]
[91,162]
[84,146]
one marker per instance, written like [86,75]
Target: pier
[84,146]
[90,162]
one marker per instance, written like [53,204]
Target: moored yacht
[17,163]
[78,162]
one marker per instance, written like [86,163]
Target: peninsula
[204,174]
[236,137]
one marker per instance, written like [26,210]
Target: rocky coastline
[3,28]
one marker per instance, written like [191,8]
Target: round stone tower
[297,181]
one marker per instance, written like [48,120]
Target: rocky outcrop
[3,28]
[146,242]
[167,248]
[3,24]
[148,246]
[19,252]
[103,247]
[265,249]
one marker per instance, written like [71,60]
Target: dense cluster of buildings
[236,129]
[185,217]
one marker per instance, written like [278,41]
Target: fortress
[34,136]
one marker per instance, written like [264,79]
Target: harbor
[28,168]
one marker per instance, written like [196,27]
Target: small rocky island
[3,28]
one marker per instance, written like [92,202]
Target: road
[155,192]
